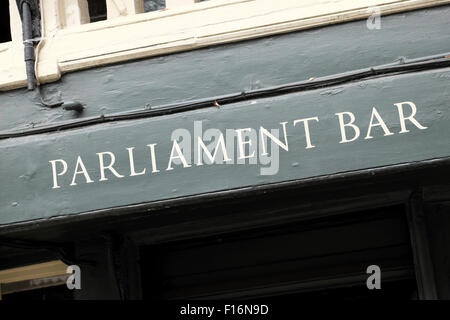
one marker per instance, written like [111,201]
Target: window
[97,10]
[5,33]
[154,5]
[77,12]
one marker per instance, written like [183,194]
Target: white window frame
[12,65]
[71,43]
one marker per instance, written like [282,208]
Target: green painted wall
[26,178]
[233,68]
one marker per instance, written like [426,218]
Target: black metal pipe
[28,45]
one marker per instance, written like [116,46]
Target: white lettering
[202,146]
[380,122]
[83,171]
[180,156]
[265,132]
[342,125]
[109,166]
[410,117]
[307,134]
[132,168]
[55,174]
[242,143]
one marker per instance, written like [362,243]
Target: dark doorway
[321,258]
[97,10]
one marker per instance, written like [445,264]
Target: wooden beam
[34,284]
[75,12]
[424,270]
[35,271]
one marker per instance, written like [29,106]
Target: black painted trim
[426,283]
[221,195]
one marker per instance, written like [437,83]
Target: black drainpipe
[31,30]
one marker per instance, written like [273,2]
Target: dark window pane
[5,34]
[153,5]
[97,10]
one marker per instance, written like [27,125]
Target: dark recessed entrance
[319,258]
